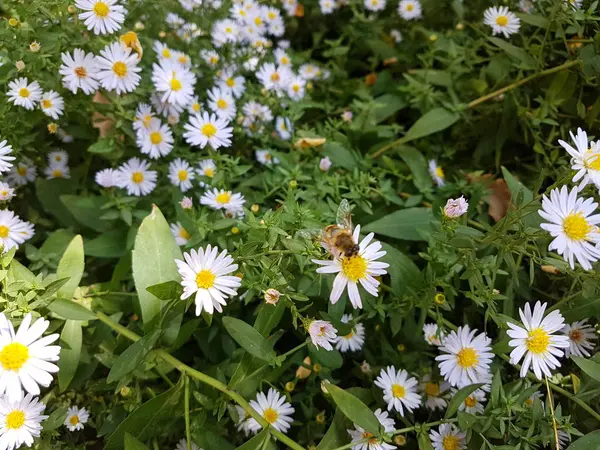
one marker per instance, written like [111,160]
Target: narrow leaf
[249,338]
[588,366]
[354,409]
[68,309]
[69,354]
[71,266]
[259,442]
[433,121]
[458,398]
[132,357]
[410,224]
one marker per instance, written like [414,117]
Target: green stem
[203,378]
[352,444]
[270,252]
[429,425]
[294,350]
[188,431]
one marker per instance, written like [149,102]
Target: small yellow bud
[401,347]
[125,391]
[35,46]
[290,386]
[293,184]
[320,418]
[13,22]
[52,128]
[255,208]
[460,26]
[433,37]
[304,372]
[399,440]
[440,298]
[162,34]
[262,222]
[317,368]
[235,230]
[71,9]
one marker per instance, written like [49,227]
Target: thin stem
[352,444]
[551,403]
[430,424]
[188,431]
[294,350]
[117,327]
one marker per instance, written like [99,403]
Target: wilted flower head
[325,164]
[272,296]
[186,203]
[456,207]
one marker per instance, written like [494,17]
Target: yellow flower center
[370,437]
[285,61]
[349,335]
[228,30]
[576,227]
[538,341]
[182,175]
[230,82]
[467,358]
[3,231]
[270,415]
[21,170]
[502,21]
[57,173]
[209,172]
[46,103]
[196,107]
[271,15]
[592,160]
[74,420]
[222,104]
[4,193]
[15,419]
[166,53]
[184,234]
[450,442]
[275,76]
[223,197]
[439,172]
[410,7]
[432,389]
[175,84]
[155,137]
[183,59]
[101,9]
[354,267]
[209,130]
[120,69]
[24,92]
[398,391]
[80,71]
[471,401]
[205,279]
[576,335]
[14,355]
[52,127]
[296,88]
[440,298]
[214,59]
[137,177]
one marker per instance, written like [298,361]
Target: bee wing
[310,233]
[344,215]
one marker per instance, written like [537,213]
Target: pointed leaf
[459,398]
[410,224]
[249,339]
[259,442]
[132,443]
[431,122]
[71,336]
[588,366]
[132,357]
[354,409]
[71,266]
[68,309]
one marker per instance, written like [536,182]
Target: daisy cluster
[27,363]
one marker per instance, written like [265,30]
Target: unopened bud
[125,391]
[365,367]
[399,440]
[401,347]
[13,22]
[71,9]
[304,371]
[35,46]
[255,208]
[317,367]
[272,296]
[325,164]
[320,418]
[235,230]
[20,65]
[290,386]
[293,184]
[440,298]
[52,128]
[186,203]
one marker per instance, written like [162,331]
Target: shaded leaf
[132,357]
[590,441]
[71,266]
[249,338]
[458,398]
[433,121]
[409,224]
[68,309]
[132,443]
[71,339]
[354,409]
[588,366]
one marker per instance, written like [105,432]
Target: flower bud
[71,9]
[365,368]
[440,298]
[125,391]
[13,22]
[255,208]
[456,208]
[460,26]
[290,386]
[235,230]
[293,184]
[186,203]
[347,116]
[35,46]
[317,367]
[20,65]
[52,128]
[304,372]
[320,418]
[399,440]
[272,296]
[325,164]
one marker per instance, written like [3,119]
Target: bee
[337,239]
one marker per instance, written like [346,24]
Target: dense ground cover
[299,224]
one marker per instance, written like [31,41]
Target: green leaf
[354,409]
[132,357]
[458,398]
[590,441]
[55,419]
[533,19]
[153,261]
[87,211]
[69,355]
[527,61]
[336,435]
[417,164]
[588,366]
[433,121]
[388,105]
[466,420]
[103,145]
[259,442]
[68,309]
[150,419]
[411,224]
[516,188]
[111,244]
[332,359]
[424,441]
[340,155]
[71,266]
[132,443]
[169,290]
[49,192]
[269,317]
[404,273]
[249,338]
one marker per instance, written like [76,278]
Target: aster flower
[232,203]
[501,20]
[410,9]
[322,334]
[101,16]
[433,335]
[581,338]
[79,71]
[399,391]
[585,159]
[353,341]
[358,434]
[76,418]
[23,93]
[118,68]
[433,391]
[275,410]
[13,232]
[5,160]
[456,208]
[205,129]
[20,420]
[136,178]
[448,437]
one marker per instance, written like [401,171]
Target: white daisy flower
[22,173]
[265,157]
[143,117]
[242,420]
[327,6]
[57,170]
[433,392]
[374,5]
[52,104]
[573,225]
[205,275]
[136,178]
[399,391]
[537,341]
[173,20]
[501,20]
[25,355]
[273,78]
[207,168]
[174,82]
[195,106]
[282,58]
[6,192]
[181,174]
[473,404]
[581,338]
[284,128]
[101,16]
[353,341]
[117,68]
[322,334]
[183,445]
[437,173]
[211,57]
[20,420]
[232,203]
[456,207]
[5,163]
[309,71]
[13,232]
[182,59]
[76,418]
[224,31]
[208,129]
[275,410]
[575,4]
[410,9]
[433,335]
[58,157]
[358,434]
[466,357]
[448,437]
[221,102]
[25,94]
[180,234]
[106,178]
[396,36]
[585,159]
[361,268]
[79,71]
[156,140]
[168,110]
[162,51]
[232,84]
